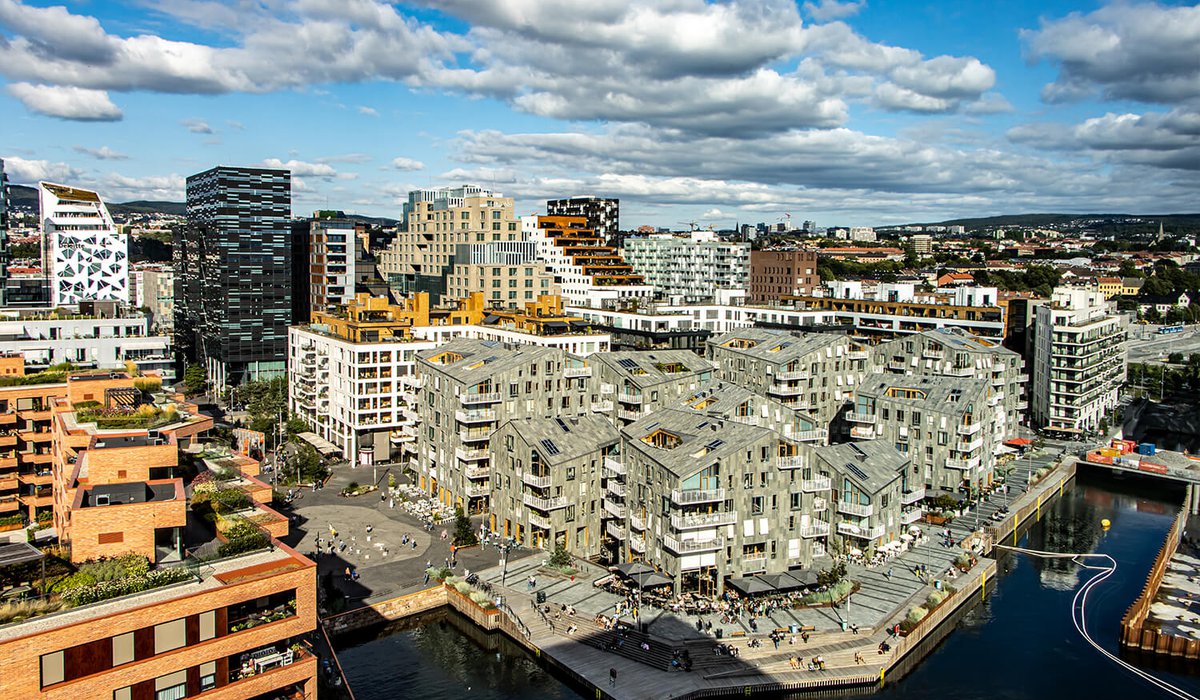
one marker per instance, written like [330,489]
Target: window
[756,505]
[796,497]
[125,693]
[170,635]
[570,477]
[208,625]
[208,676]
[171,687]
[122,648]
[52,668]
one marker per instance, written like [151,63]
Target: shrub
[962,560]
[916,614]
[17,519]
[25,609]
[837,592]
[560,558]
[45,516]
[481,599]
[464,534]
[103,590]
[85,405]
[242,537]
[463,587]
[934,599]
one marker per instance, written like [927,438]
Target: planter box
[11,527]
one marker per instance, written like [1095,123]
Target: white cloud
[826,10]
[71,103]
[235,125]
[714,214]
[1125,50]
[1168,140]
[197,126]
[102,153]
[402,163]
[299,167]
[369,111]
[28,172]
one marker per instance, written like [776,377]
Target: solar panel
[562,425]
[857,449]
[489,343]
[854,469]
[627,363]
[715,444]
[701,425]
[551,448]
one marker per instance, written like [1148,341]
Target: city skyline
[849,113]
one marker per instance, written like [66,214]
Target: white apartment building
[87,257]
[1078,361]
[355,395]
[689,267]
[87,340]
[331,261]
[588,272]
[152,286]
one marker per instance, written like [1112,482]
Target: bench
[738,633]
[808,628]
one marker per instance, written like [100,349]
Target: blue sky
[855,113]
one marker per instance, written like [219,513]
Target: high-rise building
[689,266]
[233,265]
[1078,361]
[84,255]
[3,232]
[332,243]
[460,240]
[778,273]
[603,214]
[590,273]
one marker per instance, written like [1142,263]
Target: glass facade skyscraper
[233,282]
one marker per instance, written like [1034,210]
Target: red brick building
[777,273]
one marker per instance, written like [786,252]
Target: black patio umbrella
[751,585]
[632,568]
[806,578]
[782,582]
[650,580]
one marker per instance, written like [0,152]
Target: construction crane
[692,225]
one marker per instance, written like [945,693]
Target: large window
[171,687]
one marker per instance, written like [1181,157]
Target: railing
[784,390]
[862,433]
[629,398]
[470,455]
[477,490]
[690,496]
[615,487]
[815,528]
[546,504]
[482,415]
[753,564]
[970,429]
[637,543]
[614,466]
[897,365]
[637,523]
[617,510]
[792,375]
[689,546]
[629,415]
[858,355]
[539,482]
[971,446]
[932,354]
[909,517]
[703,520]
[602,406]
[615,529]
[868,418]
[816,484]
[791,461]
[474,434]
[471,398]
[971,463]
[577,371]
[477,472]
[820,505]
[541,521]
[909,497]
[866,533]
[855,509]
[818,435]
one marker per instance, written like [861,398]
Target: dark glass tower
[3,233]
[233,280]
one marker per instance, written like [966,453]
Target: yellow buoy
[1105,523]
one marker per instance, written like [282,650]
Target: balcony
[614,467]
[617,510]
[855,509]
[602,406]
[637,543]
[932,354]
[815,528]
[629,415]
[968,464]
[862,433]
[692,496]
[1022,378]
[1022,405]
[816,484]
[911,516]
[785,390]
[897,365]
[615,487]
[571,372]
[692,546]
[539,521]
[475,434]
[819,435]
[703,520]
[754,563]
[913,496]
[624,397]
[970,429]
[793,375]
[971,446]
[637,523]
[858,355]
[544,504]
[474,490]
[470,398]
[472,455]
[477,472]
[820,505]
[537,482]
[615,529]
[476,416]
[791,461]
[865,418]
[866,533]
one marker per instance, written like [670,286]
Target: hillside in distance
[1182,221]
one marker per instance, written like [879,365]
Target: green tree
[464,534]
[194,380]
[560,557]
[305,467]
[1175,358]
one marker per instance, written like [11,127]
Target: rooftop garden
[143,417]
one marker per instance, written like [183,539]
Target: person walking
[612,676]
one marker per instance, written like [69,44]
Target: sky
[852,113]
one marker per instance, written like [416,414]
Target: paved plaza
[1176,608]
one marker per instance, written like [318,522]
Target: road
[1146,345]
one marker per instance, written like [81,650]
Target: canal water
[1018,643]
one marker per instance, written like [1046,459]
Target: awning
[753,585]
[1018,442]
[323,446]
[633,568]
[490,319]
[557,325]
[782,582]
[18,553]
[806,578]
